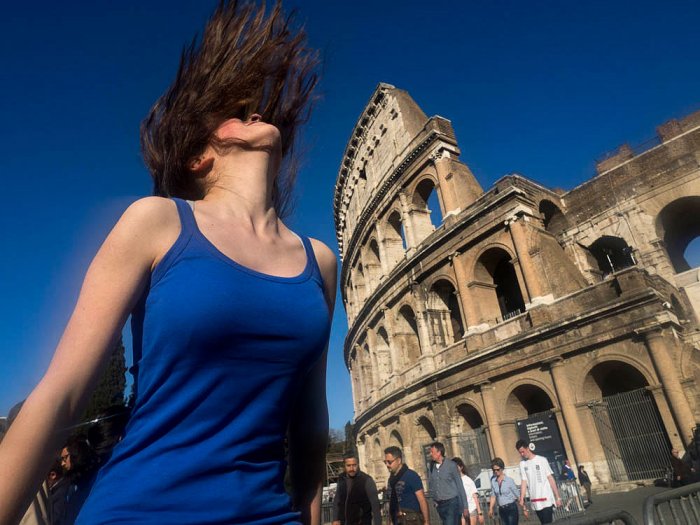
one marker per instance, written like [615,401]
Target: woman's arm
[112,285]
[308,427]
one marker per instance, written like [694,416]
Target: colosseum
[477,317]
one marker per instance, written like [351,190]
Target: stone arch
[425,220]
[354,368]
[678,224]
[496,287]
[444,313]
[679,309]
[383,350]
[377,459]
[373,262]
[625,412]
[424,435]
[553,219]
[350,295]
[526,399]
[612,254]
[394,236]
[368,368]
[426,424]
[469,438]
[395,439]
[360,283]
[612,376]
[406,336]
[467,417]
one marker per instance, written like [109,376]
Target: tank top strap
[311,257]
[185,210]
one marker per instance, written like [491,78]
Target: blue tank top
[220,351]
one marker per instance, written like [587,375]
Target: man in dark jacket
[356,501]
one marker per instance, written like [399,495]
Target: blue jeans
[509,514]
[450,511]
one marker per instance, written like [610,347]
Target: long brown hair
[247,61]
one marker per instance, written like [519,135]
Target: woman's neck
[240,186]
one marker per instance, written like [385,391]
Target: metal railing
[611,517]
[679,506]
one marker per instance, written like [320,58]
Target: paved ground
[631,501]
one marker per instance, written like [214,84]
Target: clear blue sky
[542,88]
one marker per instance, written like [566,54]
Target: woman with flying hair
[230,309]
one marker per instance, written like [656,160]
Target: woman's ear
[201,165]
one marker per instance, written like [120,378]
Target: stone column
[571,420]
[406,222]
[662,356]
[518,235]
[446,185]
[468,307]
[421,324]
[382,250]
[396,362]
[492,420]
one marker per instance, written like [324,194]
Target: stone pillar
[518,234]
[383,260]
[661,351]
[396,362]
[408,433]
[492,420]
[470,315]
[361,380]
[562,385]
[446,188]
[408,229]
[421,323]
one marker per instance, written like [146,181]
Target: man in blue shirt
[446,487]
[407,503]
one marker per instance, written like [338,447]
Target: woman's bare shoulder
[151,224]
[328,264]
[327,260]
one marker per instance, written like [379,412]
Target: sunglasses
[496,469]
[390,461]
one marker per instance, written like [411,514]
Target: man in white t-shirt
[538,479]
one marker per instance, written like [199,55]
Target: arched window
[678,225]
[552,217]
[360,285]
[407,336]
[445,317]
[383,355]
[625,412]
[612,254]
[351,297]
[498,291]
[471,443]
[526,400]
[395,439]
[368,369]
[394,238]
[425,435]
[362,179]
[426,212]
[355,375]
[374,265]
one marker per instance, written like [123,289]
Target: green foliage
[350,439]
[110,389]
[336,442]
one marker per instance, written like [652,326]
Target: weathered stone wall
[515,300]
